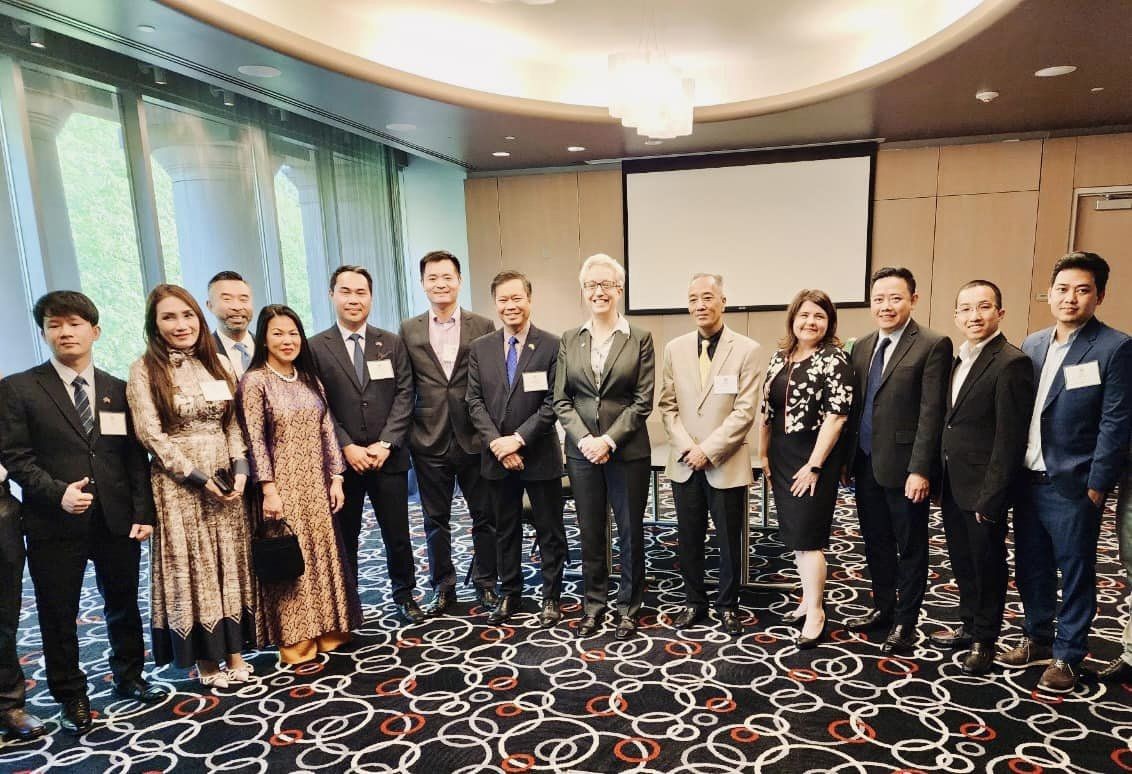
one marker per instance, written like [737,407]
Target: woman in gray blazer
[603,391]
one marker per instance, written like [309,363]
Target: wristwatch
[815,469]
[385,444]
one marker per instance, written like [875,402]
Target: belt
[1037,477]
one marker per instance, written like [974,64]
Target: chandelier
[649,94]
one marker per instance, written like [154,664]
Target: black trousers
[57,567]
[505,503]
[389,495]
[624,487]
[436,477]
[695,498]
[978,560]
[11,591]
[895,531]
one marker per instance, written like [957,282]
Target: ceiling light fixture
[260,71]
[1097,89]
[986,95]
[501,154]
[650,95]
[146,29]
[401,127]
[654,142]
[575,148]
[509,137]
[226,96]
[33,34]
[160,77]
[1054,71]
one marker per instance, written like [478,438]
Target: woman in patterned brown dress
[298,465]
[180,394]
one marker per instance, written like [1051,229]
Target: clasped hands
[694,457]
[506,450]
[363,458]
[596,450]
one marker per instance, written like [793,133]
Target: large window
[302,240]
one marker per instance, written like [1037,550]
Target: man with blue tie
[230,300]
[1075,454]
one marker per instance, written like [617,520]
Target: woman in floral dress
[298,466]
[181,399]
[806,401]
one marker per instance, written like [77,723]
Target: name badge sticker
[1082,375]
[112,422]
[534,381]
[215,389]
[726,384]
[380,369]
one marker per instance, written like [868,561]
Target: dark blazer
[440,411]
[497,409]
[44,448]
[1085,430]
[909,406]
[985,429]
[619,409]
[381,410]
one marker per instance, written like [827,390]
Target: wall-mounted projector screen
[770,222]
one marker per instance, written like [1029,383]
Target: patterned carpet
[454,695]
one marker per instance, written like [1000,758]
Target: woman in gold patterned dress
[180,394]
[298,465]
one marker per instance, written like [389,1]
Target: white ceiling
[737,50]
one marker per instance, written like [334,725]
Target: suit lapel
[978,368]
[424,339]
[722,350]
[585,342]
[618,344]
[51,383]
[1077,352]
[344,357]
[906,340]
[102,391]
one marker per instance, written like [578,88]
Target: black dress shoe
[487,597]
[139,690]
[410,611]
[550,614]
[689,616]
[19,726]
[901,641]
[960,638]
[588,625]
[440,602]
[731,622]
[1116,671]
[626,628]
[980,660]
[76,716]
[507,607]
[807,643]
[874,619]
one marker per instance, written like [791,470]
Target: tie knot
[244,347]
[79,381]
[885,342]
[355,337]
[514,340]
[704,344]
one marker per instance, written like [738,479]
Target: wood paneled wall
[1000,211]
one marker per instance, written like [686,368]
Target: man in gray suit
[444,442]
[708,399]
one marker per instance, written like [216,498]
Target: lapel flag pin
[530,346]
[106,400]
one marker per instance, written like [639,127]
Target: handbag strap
[265,523]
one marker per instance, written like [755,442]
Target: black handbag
[277,558]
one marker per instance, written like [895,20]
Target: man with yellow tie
[708,399]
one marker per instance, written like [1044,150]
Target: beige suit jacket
[717,421]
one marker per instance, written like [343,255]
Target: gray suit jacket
[439,412]
[620,406]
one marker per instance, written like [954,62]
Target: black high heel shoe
[806,643]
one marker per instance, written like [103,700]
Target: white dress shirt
[68,376]
[235,357]
[894,337]
[1055,356]
[347,333]
[445,340]
[968,354]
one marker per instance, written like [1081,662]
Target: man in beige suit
[708,398]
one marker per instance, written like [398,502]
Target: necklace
[294,373]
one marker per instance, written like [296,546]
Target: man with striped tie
[67,440]
[230,301]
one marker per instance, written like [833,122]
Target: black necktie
[82,404]
[876,370]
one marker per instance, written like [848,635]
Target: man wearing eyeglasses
[983,446]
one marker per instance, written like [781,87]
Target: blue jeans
[1054,533]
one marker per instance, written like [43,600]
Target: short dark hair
[64,303]
[981,283]
[436,256]
[1090,262]
[227,274]
[356,270]
[894,271]
[506,276]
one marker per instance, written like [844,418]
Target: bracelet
[338,476]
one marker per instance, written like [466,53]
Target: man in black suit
[445,444]
[68,442]
[894,433]
[511,401]
[983,446]
[369,386]
[15,722]
[230,300]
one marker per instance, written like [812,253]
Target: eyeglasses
[605,285]
[983,308]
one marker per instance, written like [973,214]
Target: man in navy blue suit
[1075,453]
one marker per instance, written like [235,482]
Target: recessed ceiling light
[654,142]
[501,154]
[401,127]
[509,137]
[986,95]
[1013,139]
[1097,89]
[146,28]
[575,148]
[260,71]
[1056,70]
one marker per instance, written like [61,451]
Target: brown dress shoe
[1028,654]
[1059,677]
[19,726]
